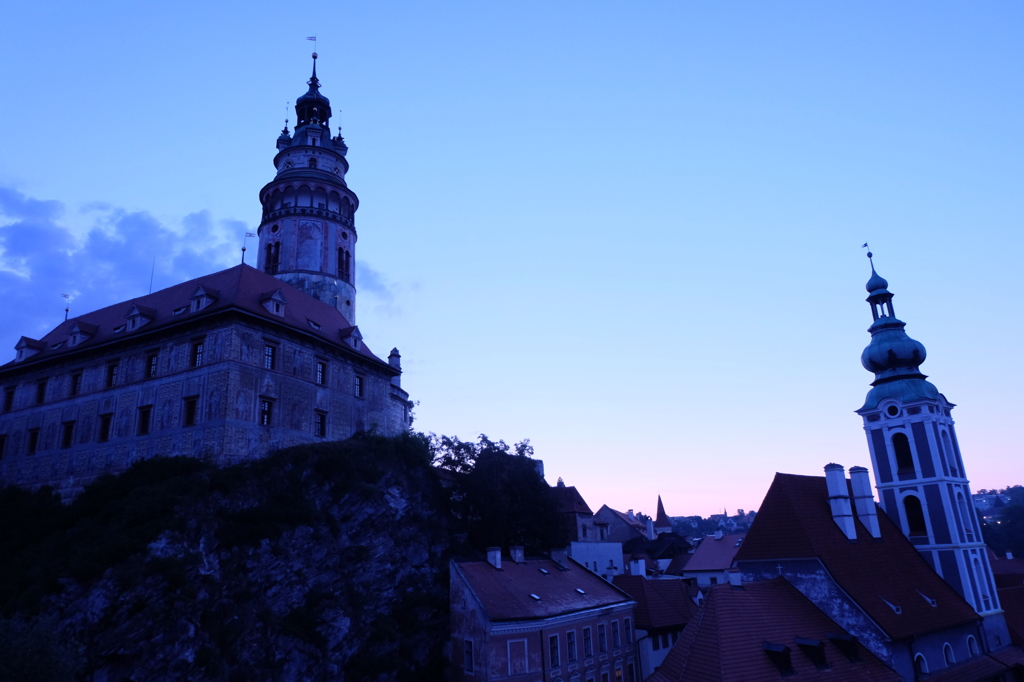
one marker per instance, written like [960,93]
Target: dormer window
[202,297]
[274,303]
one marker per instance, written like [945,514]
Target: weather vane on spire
[313,38]
[870,255]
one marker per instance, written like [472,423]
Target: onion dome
[876,282]
[312,106]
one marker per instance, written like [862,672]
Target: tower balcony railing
[310,211]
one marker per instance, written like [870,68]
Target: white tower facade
[919,472]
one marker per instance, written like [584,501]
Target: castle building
[226,367]
[919,473]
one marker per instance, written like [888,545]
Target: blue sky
[627,231]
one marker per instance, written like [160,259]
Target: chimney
[839,500]
[863,501]
[494,557]
[650,529]
[638,567]
[735,577]
[718,534]
[518,554]
[1009,555]
[630,515]
[560,557]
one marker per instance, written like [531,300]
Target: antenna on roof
[67,306]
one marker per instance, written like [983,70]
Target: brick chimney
[494,557]
[864,501]
[518,554]
[560,557]
[839,500]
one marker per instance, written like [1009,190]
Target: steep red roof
[569,499]
[715,554]
[241,288]
[795,522]
[727,640]
[1007,572]
[506,593]
[660,604]
[662,520]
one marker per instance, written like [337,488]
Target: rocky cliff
[323,562]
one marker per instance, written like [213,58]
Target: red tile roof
[662,520]
[726,640]
[714,554]
[505,594]
[795,522]
[241,288]
[986,667]
[660,604]
[569,499]
[1012,601]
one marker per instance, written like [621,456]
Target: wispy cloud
[41,258]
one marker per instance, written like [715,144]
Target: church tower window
[904,458]
[915,516]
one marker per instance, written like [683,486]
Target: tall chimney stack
[839,500]
[864,501]
[518,554]
[494,557]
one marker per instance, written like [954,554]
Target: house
[763,632]
[588,538]
[538,619]
[621,526]
[712,559]
[861,571]
[228,366]
[657,555]
[663,608]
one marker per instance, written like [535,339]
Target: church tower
[308,234]
[919,473]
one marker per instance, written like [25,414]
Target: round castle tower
[308,234]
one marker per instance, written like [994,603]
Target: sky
[629,232]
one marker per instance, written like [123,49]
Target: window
[628,627]
[570,645]
[588,643]
[105,420]
[145,412]
[360,387]
[33,441]
[321,373]
[312,162]
[272,258]
[41,391]
[915,516]
[904,459]
[630,672]
[920,665]
[197,352]
[188,417]
[76,384]
[553,651]
[3,444]
[604,677]
[344,264]
[517,657]
[151,365]
[972,644]
[616,643]
[618,674]
[266,411]
[656,643]
[602,638]
[112,374]
[467,656]
[67,435]
[320,424]
[947,653]
[8,399]
[269,356]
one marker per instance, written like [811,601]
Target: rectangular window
[630,673]
[33,441]
[628,623]
[553,651]
[41,391]
[570,645]
[76,384]
[8,399]
[321,373]
[320,424]
[266,411]
[604,677]
[188,417]
[655,643]
[602,638]
[360,387]
[615,635]
[588,643]
[111,374]
[467,656]
[105,420]
[145,412]
[151,365]
[618,675]
[67,435]
[664,641]
[269,356]
[3,444]
[197,353]
[517,657]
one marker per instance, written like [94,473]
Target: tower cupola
[308,232]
